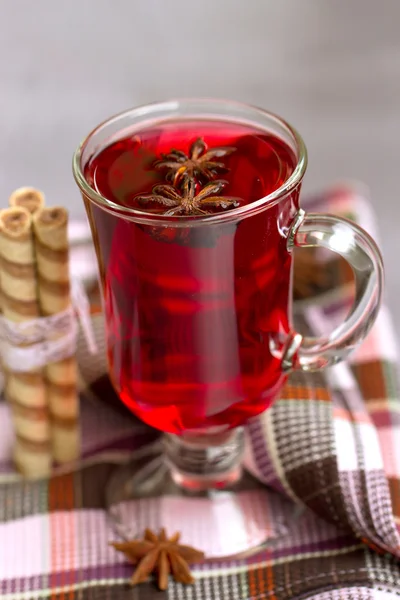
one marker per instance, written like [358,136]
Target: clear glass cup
[224,356]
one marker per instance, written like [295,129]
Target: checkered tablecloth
[328,450]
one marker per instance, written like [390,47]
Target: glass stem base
[206,461]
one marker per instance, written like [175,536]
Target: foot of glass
[201,462]
[195,485]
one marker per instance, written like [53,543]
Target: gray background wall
[331,67]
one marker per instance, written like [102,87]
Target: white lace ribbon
[33,344]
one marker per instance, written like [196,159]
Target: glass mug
[198,308]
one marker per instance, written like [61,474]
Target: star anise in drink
[199,163]
[161,554]
[186,201]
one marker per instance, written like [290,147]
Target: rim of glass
[171,107]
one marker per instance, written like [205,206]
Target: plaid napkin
[329,448]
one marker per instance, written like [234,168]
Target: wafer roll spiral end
[27,197]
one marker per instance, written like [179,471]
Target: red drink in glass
[194,210]
[190,312]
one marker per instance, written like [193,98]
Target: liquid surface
[260,164]
[191,312]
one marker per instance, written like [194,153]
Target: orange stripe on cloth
[298,392]
[371,379]
[261,582]
[95,309]
[252,580]
[63,535]
[269,580]
[394,487]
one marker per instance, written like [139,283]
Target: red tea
[191,310]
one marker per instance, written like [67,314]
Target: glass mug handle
[360,251]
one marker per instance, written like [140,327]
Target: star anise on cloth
[160,553]
[198,162]
[187,201]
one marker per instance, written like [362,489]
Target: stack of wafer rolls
[51,245]
[25,391]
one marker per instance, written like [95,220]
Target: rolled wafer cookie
[51,243]
[25,391]
[31,199]
[31,457]
[27,197]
